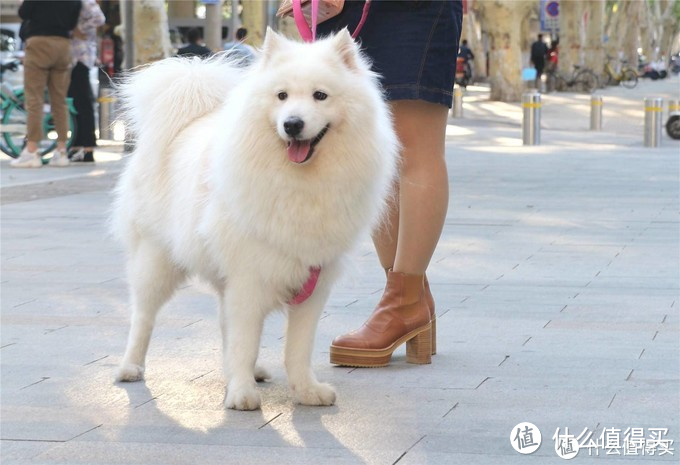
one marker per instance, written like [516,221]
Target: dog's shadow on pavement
[169,410]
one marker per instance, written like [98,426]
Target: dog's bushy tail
[159,100]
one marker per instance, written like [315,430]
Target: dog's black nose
[293,126]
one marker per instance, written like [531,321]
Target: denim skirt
[412,44]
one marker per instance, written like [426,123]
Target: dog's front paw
[315,394]
[243,397]
[130,372]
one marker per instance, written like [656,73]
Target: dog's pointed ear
[272,42]
[347,49]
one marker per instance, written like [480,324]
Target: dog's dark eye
[282,95]
[318,95]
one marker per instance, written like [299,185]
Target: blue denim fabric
[412,43]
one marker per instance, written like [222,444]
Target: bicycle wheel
[587,81]
[5,149]
[14,132]
[629,78]
[3,127]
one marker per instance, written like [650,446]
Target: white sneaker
[27,160]
[59,158]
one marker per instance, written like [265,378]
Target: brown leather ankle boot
[429,300]
[402,315]
[433,316]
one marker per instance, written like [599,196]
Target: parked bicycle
[626,76]
[13,120]
[581,80]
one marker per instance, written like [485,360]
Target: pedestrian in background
[466,54]
[539,51]
[84,52]
[465,51]
[46,30]
[194,48]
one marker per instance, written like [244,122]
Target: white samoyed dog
[258,181]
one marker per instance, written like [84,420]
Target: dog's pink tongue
[298,151]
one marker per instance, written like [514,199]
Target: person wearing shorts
[413,47]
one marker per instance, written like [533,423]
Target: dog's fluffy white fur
[211,191]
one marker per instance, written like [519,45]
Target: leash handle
[309,34]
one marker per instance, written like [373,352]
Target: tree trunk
[594,48]
[647,29]
[254,17]
[613,28]
[150,24]
[213,26]
[472,32]
[632,11]
[669,29]
[572,35]
[502,19]
[181,9]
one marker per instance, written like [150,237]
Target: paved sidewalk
[557,288]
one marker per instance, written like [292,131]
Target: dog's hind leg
[303,320]
[153,279]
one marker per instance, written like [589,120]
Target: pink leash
[309,34]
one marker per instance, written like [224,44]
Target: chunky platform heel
[419,349]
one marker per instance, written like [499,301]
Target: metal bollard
[457,110]
[531,122]
[107,101]
[673,106]
[653,113]
[595,112]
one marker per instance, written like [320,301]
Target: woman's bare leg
[416,217]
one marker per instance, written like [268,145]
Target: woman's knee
[421,128]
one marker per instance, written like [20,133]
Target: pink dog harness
[307,288]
